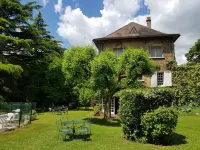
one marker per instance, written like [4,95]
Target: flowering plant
[34,112]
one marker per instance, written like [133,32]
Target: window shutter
[167,78]
[154,80]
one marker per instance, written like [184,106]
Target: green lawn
[42,134]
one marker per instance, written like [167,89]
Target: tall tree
[76,67]
[25,41]
[194,53]
[109,74]
[14,19]
[104,78]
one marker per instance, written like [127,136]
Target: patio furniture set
[74,129]
[9,120]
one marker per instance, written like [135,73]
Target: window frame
[159,77]
[141,79]
[115,51]
[155,47]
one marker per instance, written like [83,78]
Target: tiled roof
[134,30]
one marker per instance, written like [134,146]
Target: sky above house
[77,22]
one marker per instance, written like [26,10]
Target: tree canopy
[110,73]
[25,45]
[194,53]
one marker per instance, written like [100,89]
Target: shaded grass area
[42,135]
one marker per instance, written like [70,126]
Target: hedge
[135,102]
[186,83]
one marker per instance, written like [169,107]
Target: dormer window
[156,52]
[118,51]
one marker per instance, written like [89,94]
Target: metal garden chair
[64,130]
[84,130]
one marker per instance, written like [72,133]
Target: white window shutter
[154,80]
[167,78]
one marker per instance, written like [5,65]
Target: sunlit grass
[42,134]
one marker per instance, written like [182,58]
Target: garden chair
[3,121]
[10,117]
[64,130]
[84,130]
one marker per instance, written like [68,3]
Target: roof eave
[174,36]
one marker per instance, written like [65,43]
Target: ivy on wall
[186,82]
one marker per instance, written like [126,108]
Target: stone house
[160,46]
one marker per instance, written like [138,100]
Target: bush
[158,125]
[135,102]
[97,110]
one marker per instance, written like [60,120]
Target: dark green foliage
[158,125]
[194,53]
[135,102]
[186,83]
[25,42]
[55,87]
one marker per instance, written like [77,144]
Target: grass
[42,135]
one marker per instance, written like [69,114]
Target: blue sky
[90,8]
[77,22]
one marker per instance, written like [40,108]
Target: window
[118,51]
[160,78]
[101,47]
[140,78]
[156,52]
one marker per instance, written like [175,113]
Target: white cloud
[58,7]
[177,16]
[79,29]
[170,16]
[44,2]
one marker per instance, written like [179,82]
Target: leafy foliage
[103,78]
[194,53]
[109,74]
[85,96]
[158,125]
[76,64]
[135,102]
[14,70]
[25,45]
[186,83]
[97,110]
[77,71]
[134,63]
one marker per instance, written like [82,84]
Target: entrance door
[112,106]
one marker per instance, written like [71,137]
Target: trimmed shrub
[135,102]
[158,125]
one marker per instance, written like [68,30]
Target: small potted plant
[34,115]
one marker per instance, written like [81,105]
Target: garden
[69,88]
[43,134]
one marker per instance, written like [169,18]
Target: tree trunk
[107,114]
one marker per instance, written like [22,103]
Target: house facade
[159,45]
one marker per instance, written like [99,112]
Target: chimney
[149,22]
